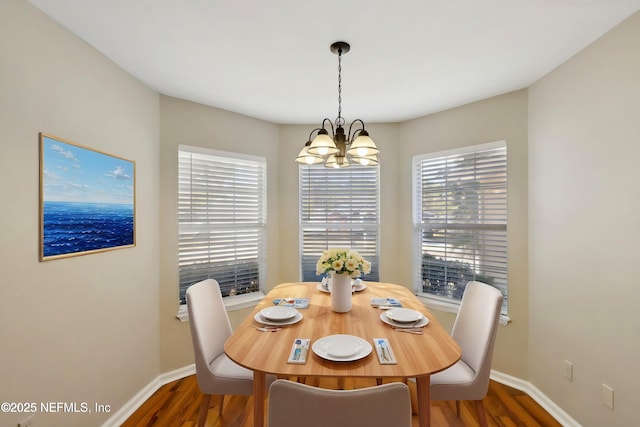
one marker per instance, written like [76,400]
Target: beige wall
[292,139]
[500,118]
[99,328]
[495,119]
[584,199]
[184,122]
[81,329]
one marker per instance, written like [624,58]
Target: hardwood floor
[176,405]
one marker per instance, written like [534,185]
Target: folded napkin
[292,302]
[385,302]
[299,350]
[383,349]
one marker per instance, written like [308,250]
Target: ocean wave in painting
[80,227]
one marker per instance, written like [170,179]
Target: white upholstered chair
[293,404]
[210,328]
[475,331]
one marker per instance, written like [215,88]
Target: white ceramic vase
[340,292]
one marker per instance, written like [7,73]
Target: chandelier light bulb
[366,160]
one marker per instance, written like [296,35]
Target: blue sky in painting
[76,174]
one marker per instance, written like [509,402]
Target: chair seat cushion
[224,367]
[460,373]
[457,383]
[225,377]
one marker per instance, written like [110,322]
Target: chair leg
[221,403]
[458,408]
[204,409]
[482,415]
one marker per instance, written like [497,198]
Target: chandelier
[339,150]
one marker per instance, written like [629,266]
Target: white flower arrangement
[343,261]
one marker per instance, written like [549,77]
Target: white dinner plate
[359,286]
[261,319]
[356,287]
[341,348]
[404,315]
[423,322]
[321,288]
[278,314]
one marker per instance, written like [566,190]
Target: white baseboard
[554,410]
[121,415]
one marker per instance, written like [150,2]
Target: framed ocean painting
[87,200]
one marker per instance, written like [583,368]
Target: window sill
[450,307]
[237,302]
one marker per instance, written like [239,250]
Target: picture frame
[87,200]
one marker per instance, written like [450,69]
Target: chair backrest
[293,405]
[476,326]
[209,324]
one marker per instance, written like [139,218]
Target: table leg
[423,384]
[259,380]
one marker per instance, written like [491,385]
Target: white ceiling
[270,59]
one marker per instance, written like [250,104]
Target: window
[460,220]
[338,208]
[222,219]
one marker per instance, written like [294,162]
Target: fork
[417,331]
[415,324]
[267,328]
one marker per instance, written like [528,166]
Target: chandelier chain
[339,120]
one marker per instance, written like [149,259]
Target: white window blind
[222,219]
[339,208]
[460,219]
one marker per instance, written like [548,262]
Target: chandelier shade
[339,149]
[363,146]
[323,144]
[307,158]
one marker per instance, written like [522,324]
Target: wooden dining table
[417,355]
